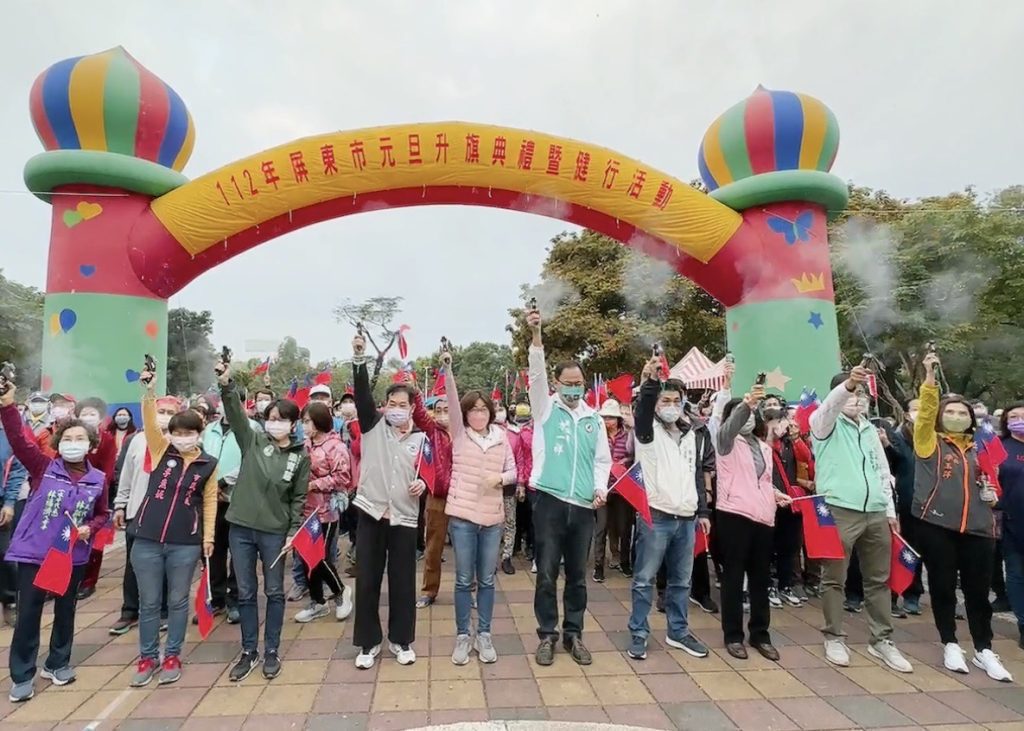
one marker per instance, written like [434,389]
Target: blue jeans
[476,556]
[151,562]
[1014,579]
[248,544]
[670,539]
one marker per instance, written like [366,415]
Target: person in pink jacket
[482,464]
[330,476]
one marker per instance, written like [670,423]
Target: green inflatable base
[780,186]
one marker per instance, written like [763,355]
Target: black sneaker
[123,626]
[853,605]
[706,603]
[627,571]
[659,603]
[244,666]
[575,647]
[599,574]
[86,592]
[271,665]
[897,611]
[507,567]
[546,651]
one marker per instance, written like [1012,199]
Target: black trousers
[746,548]
[562,531]
[130,585]
[324,572]
[788,539]
[524,525]
[998,577]
[380,545]
[9,569]
[854,587]
[223,585]
[25,642]
[421,524]
[946,553]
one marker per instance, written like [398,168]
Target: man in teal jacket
[852,473]
[571,463]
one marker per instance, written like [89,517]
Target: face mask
[348,410]
[73,451]
[570,394]
[748,428]
[1016,426]
[912,416]
[477,420]
[956,424]
[522,419]
[122,421]
[60,412]
[261,407]
[278,429]
[397,417]
[37,408]
[91,420]
[855,406]
[500,416]
[185,444]
[772,414]
[669,414]
[442,420]
[162,420]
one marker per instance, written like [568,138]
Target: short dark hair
[674,384]
[469,401]
[188,420]
[320,414]
[267,391]
[837,379]
[286,409]
[568,364]
[1004,418]
[63,426]
[91,403]
[760,427]
[400,388]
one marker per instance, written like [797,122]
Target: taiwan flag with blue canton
[309,542]
[903,565]
[426,469]
[204,603]
[631,487]
[54,573]
[991,454]
[821,536]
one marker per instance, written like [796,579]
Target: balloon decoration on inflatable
[758,243]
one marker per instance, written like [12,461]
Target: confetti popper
[129,230]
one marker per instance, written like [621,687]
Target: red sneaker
[171,670]
[144,672]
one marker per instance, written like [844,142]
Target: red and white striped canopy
[696,370]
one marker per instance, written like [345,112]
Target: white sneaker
[989,662]
[366,658]
[954,658]
[886,652]
[343,608]
[313,611]
[404,653]
[463,645]
[485,648]
[837,653]
[533,568]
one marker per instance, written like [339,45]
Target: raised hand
[359,345]
[446,358]
[859,375]
[223,371]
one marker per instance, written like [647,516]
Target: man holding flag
[571,463]
[677,458]
[852,474]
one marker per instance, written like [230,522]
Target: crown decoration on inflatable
[773,146]
[809,282]
[105,119]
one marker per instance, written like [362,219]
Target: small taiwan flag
[821,536]
[700,542]
[807,405]
[903,564]
[439,384]
[309,542]
[631,487]
[105,535]
[204,603]
[425,467]
[54,573]
[262,367]
[403,344]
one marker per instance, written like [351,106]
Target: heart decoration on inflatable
[131,376]
[87,270]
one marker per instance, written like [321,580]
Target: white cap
[320,388]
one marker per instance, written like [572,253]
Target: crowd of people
[225,483]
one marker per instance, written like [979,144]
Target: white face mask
[73,451]
[278,429]
[60,412]
[261,407]
[500,416]
[348,410]
[397,417]
[162,420]
[669,414]
[91,420]
[37,408]
[122,421]
[185,444]
[855,406]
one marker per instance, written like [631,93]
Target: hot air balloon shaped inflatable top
[107,120]
[773,146]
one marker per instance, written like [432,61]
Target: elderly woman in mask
[954,501]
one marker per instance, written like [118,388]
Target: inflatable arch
[129,230]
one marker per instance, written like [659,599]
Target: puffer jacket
[329,473]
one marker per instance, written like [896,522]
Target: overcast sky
[927,93]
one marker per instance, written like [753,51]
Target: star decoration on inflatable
[815,320]
[777,379]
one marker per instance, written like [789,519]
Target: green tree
[190,354]
[21,329]
[375,317]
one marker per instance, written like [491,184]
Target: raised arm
[643,415]
[27,452]
[210,507]
[823,421]
[730,428]
[156,442]
[455,424]
[539,389]
[420,418]
[241,427]
[925,438]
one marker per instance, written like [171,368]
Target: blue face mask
[570,392]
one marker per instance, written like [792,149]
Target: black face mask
[772,414]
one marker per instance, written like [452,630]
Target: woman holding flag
[175,522]
[66,505]
[954,499]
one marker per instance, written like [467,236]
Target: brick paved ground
[320,689]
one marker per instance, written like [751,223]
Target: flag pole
[909,547]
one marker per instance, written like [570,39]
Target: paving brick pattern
[320,688]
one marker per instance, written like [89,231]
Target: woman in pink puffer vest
[482,464]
